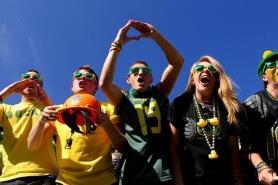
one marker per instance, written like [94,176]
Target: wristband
[116,44]
[261,166]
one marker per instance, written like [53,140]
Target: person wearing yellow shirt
[82,158]
[20,166]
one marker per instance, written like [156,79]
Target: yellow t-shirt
[89,159]
[17,121]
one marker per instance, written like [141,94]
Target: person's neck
[137,94]
[273,91]
[204,98]
[26,99]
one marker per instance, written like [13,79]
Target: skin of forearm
[36,135]
[172,55]
[116,137]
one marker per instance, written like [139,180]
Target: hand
[42,96]
[122,36]
[102,118]
[267,176]
[146,30]
[19,86]
[49,113]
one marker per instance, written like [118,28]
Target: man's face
[139,77]
[31,89]
[84,82]
[271,72]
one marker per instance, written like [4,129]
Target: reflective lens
[201,67]
[136,70]
[270,65]
[36,77]
[79,75]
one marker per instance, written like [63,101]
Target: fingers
[49,113]
[142,27]
[19,86]
[42,96]
[122,33]
[145,29]
[266,176]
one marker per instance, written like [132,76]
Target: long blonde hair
[225,89]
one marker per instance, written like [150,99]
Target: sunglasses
[136,70]
[36,77]
[79,75]
[201,67]
[270,65]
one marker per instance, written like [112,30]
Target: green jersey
[146,130]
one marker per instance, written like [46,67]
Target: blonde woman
[204,121]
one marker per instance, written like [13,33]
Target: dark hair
[140,62]
[33,70]
[89,69]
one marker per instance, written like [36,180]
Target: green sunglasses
[272,64]
[78,75]
[36,77]
[201,67]
[136,70]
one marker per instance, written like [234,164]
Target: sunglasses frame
[270,64]
[136,70]
[92,76]
[211,68]
[27,76]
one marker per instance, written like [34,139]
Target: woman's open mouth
[204,79]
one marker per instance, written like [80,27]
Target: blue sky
[57,36]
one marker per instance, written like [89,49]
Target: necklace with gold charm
[203,122]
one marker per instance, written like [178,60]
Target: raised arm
[111,90]
[175,60]
[113,130]
[18,88]
[43,131]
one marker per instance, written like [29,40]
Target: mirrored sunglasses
[79,75]
[136,70]
[36,77]
[272,64]
[201,67]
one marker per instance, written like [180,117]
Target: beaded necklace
[203,122]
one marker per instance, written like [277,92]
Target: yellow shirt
[89,159]
[17,121]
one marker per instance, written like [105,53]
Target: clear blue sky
[57,36]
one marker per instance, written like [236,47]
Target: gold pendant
[213,155]
[214,121]
[202,123]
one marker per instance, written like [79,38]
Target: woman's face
[205,78]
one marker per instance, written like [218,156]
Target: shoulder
[107,107]
[253,101]
[110,110]
[182,99]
